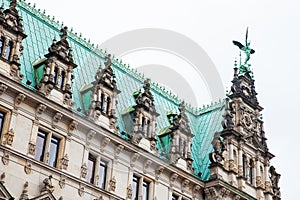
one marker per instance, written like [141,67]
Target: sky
[274,31]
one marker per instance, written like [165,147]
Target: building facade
[77,123]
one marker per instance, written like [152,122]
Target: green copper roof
[41,30]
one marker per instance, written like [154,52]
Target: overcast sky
[274,34]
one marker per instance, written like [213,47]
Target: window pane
[2,115]
[135,188]
[91,169]
[53,151]
[175,197]
[102,175]
[8,51]
[145,191]
[1,45]
[40,145]
[55,73]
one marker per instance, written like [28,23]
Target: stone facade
[49,151]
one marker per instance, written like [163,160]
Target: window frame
[141,180]
[47,146]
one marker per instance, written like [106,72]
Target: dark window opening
[102,101]
[175,197]
[2,116]
[1,44]
[62,80]
[107,105]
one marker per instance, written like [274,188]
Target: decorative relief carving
[105,141]
[159,170]
[31,148]
[9,137]
[81,190]
[19,99]
[173,178]
[73,125]
[3,88]
[65,162]
[134,158]
[57,117]
[62,182]
[24,195]
[112,184]
[40,109]
[48,186]
[119,148]
[184,185]
[217,155]
[27,167]
[129,192]
[83,170]
[147,165]
[91,134]
[5,158]
[196,190]
[2,178]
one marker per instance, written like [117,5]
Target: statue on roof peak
[107,62]
[64,33]
[13,4]
[247,50]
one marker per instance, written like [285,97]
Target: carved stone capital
[119,148]
[159,170]
[19,99]
[27,167]
[83,170]
[62,182]
[90,135]
[57,117]
[105,141]
[65,162]
[112,184]
[9,137]
[3,88]
[40,109]
[5,158]
[73,125]
[134,158]
[24,195]
[173,178]
[196,190]
[31,148]
[81,190]
[147,164]
[47,185]
[129,192]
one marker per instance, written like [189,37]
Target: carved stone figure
[274,180]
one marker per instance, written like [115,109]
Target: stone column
[240,163]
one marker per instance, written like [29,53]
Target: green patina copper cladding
[41,30]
